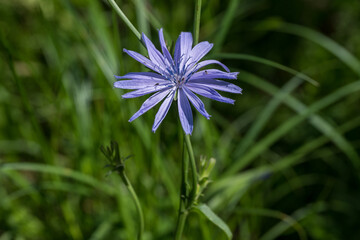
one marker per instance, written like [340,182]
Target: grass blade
[300,214]
[226,23]
[287,126]
[266,114]
[226,188]
[336,49]
[65,172]
[209,214]
[124,18]
[266,62]
[197,18]
[286,220]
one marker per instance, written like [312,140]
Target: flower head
[181,75]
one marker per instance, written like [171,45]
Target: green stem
[180,224]
[193,170]
[183,196]
[197,21]
[136,201]
[124,18]
[186,202]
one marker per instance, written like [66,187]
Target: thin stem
[136,201]
[186,202]
[180,224]
[124,18]
[183,196]
[193,170]
[197,21]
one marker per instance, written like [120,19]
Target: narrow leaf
[268,62]
[209,214]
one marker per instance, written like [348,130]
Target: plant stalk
[180,224]
[193,168]
[197,21]
[136,201]
[124,18]
[183,196]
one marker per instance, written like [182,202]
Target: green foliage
[211,216]
[287,153]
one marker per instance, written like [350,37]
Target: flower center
[178,80]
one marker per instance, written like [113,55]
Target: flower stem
[136,201]
[124,18]
[186,201]
[183,196]
[197,21]
[193,170]
[180,224]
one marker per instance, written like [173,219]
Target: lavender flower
[179,75]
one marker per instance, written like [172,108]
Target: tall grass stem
[193,169]
[181,223]
[124,18]
[136,201]
[197,21]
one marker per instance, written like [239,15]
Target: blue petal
[186,42]
[213,73]
[209,93]
[185,112]
[196,102]
[164,48]
[155,56]
[207,62]
[142,75]
[138,83]
[150,103]
[177,51]
[145,90]
[163,110]
[143,60]
[182,49]
[199,51]
[216,84]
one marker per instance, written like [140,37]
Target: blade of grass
[64,172]
[210,215]
[226,188]
[71,220]
[266,114]
[197,19]
[266,62]
[226,24]
[229,136]
[298,215]
[291,123]
[47,154]
[285,219]
[102,62]
[141,14]
[295,183]
[103,230]
[44,186]
[142,23]
[124,18]
[336,49]
[101,32]
[317,121]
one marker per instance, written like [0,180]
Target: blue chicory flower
[179,74]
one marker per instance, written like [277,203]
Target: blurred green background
[287,152]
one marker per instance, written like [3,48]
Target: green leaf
[209,214]
[60,171]
[327,43]
[268,62]
[279,132]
